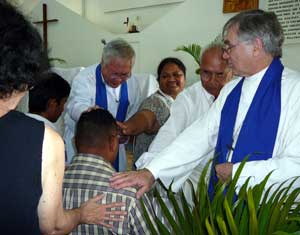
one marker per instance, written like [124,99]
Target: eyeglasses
[228,47]
[169,75]
[122,76]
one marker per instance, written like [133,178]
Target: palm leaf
[193,49]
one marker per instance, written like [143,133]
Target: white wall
[73,38]
[193,21]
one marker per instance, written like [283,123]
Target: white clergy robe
[189,149]
[83,96]
[188,106]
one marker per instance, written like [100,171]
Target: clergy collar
[257,75]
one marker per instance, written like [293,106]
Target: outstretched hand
[143,179]
[91,212]
[125,128]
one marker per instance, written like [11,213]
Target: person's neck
[261,64]
[44,115]
[10,103]
[95,151]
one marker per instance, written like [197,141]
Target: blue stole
[101,100]
[259,129]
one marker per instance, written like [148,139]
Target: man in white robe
[253,42]
[190,105]
[115,69]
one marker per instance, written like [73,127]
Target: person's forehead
[231,34]
[212,57]
[118,64]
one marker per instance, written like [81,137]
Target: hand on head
[92,108]
[143,179]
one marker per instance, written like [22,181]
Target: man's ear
[113,143]
[258,46]
[51,104]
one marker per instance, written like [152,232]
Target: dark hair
[51,86]
[22,56]
[170,60]
[259,24]
[94,128]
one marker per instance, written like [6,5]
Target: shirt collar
[94,158]
[208,96]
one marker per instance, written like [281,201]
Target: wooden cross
[45,22]
[126,22]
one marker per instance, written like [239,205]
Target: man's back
[89,175]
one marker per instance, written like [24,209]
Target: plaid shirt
[88,176]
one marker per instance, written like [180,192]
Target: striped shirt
[87,176]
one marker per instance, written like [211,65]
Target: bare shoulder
[52,141]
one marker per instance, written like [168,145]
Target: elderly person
[255,115]
[155,110]
[32,154]
[109,85]
[190,105]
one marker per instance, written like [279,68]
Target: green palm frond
[194,50]
[258,210]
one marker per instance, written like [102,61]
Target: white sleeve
[180,112]
[178,160]
[82,96]
[176,123]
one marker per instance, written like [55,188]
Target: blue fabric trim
[259,129]
[101,100]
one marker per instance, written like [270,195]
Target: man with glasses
[108,85]
[256,115]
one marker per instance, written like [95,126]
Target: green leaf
[222,225]
[193,49]
[229,217]
[253,224]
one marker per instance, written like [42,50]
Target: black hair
[50,86]
[22,56]
[94,128]
[170,60]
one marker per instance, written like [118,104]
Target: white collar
[42,119]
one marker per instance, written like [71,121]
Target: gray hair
[258,24]
[216,44]
[117,48]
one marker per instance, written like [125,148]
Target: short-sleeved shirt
[88,176]
[158,103]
